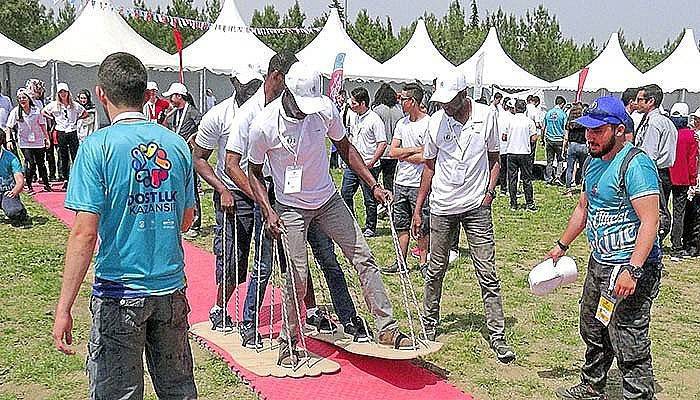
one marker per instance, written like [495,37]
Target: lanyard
[458,137]
[283,140]
[128,115]
[182,118]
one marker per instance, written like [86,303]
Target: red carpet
[359,377]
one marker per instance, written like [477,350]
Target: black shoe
[368,233]
[504,353]
[47,188]
[531,208]
[513,207]
[392,269]
[287,357]
[251,338]
[65,186]
[582,391]
[321,323]
[217,321]
[431,333]
[357,328]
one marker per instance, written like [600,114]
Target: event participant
[5,108]
[629,99]
[536,114]
[684,175]
[407,147]
[520,135]
[89,124]
[390,111]
[11,184]
[133,187]
[155,107]
[37,93]
[461,170]
[183,119]
[576,148]
[369,138]
[209,100]
[554,121]
[321,245]
[32,137]
[620,208]
[691,232]
[504,117]
[65,112]
[290,132]
[657,136]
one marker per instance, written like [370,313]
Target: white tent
[321,52]
[98,32]
[611,70]
[680,69]
[219,50]
[498,68]
[16,54]
[419,59]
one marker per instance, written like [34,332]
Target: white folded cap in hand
[547,276]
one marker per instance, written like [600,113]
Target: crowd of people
[442,156]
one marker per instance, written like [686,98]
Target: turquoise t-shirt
[9,166]
[554,122]
[612,223]
[138,178]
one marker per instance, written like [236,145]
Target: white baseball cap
[62,86]
[176,88]
[246,73]
[696,114]
[448,85]
[305,85]
[547,275]
[680,110]
[151,86]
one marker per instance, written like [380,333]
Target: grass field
[544,331]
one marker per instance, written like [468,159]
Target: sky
[652,21]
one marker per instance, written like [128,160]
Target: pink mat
[358,375]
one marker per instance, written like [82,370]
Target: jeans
[680,200]
[576,154]
[503,174]
[67,150]
[243,220]
[626,338]
[12,207]
[554,154]
[520,163]
[387,167]
[34,160]
[122,329]
[478,226]
[351,181]
[335,220]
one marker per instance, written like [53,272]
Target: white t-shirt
[367,132]
[461,160]
[536,114]
[213,133]
[504,118]
[239,140]
[411,134]
[307,138]
[519,131]
[66,117]
[636,118]
[29,131]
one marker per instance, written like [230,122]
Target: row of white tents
[99,30]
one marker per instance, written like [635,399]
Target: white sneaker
[454,255]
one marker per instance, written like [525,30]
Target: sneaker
[251,338]
[321,323]
[504,192]
[676,257]
[357,328]
[416,252]
[287,357]
[47,188]
[504,353]
[65,186]
[514,208]
[582,391]
[191,234]
[391,269]
[532,208]
[368,233]
[394,338]
[217,321]
[454,255]
[30,191]
[431,334]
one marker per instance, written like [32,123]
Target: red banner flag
[178,44]
[581,81]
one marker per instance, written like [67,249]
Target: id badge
[292,179]
[31,137]
[458,176]
[606,306]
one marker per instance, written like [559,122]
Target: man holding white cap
[290,132]
[154,105]
[461,173]
[619,208]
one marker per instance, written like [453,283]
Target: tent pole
[7,87]
[684,92]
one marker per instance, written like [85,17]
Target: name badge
[31,137]
[459,175]
[606,306]
[292,179]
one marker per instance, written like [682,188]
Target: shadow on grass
[470,322]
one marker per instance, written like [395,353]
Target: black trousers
[680,200]
[51,159]
[665,217]
[691,229]
[387,166]
[503,175]
[67,150]
[34,160]
[520,163]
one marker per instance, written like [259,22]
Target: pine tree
[474,19]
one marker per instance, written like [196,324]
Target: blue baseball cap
[604,110]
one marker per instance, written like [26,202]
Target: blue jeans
[577,153]
[350,183]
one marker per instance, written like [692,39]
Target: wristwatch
[491,193]
[635,270]
[562,246]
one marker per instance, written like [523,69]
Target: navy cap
[605,110]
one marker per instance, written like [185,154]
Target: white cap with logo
[246,73]
[305,85]
[680,110]
[448,85]
[62,86]
[151,86]
[176,88]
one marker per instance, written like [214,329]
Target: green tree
[66,16]
[474,18]
[646,58]
[27,22]
[341,10]
[212,9]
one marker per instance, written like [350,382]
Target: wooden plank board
[263,362]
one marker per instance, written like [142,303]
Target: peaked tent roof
[680,69]
[220,50]
[611,70]
[16,54]
[498,68]
[98,32]
[419,59]
[321,52]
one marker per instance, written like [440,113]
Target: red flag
[581,80]
[178,44]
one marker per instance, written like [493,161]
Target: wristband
[376,185]
[562,246]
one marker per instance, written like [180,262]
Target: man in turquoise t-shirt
[554,122]
[132,184]
[11,183]
[621,215]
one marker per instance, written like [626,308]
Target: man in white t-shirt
[369,138]
[461,172]
[291,134]
[504,116]
[407,147]
[520,136]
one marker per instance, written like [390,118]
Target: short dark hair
[360,95]
[560,101]
[123,78]
[629,95]
[536,100]
[281,62]
[653,91]
[385,95]
[498,95]
[415,90]
[520,106]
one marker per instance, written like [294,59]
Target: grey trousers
[478,226]
[335,220]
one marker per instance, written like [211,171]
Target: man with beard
[619,207]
